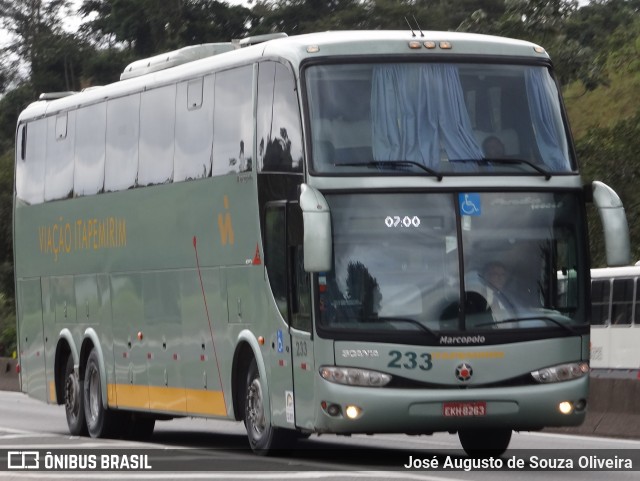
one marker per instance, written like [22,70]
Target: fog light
[565,407]
[333,410]
[581,405]
[352,412]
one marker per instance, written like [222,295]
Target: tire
[74,400]
[264,438]
[484,443]
[101,422]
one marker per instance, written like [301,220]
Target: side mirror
[317,241]
[614,223]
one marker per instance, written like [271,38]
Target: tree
[52,57]
[6,216]
[609,155]
[148,27]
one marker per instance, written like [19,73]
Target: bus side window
[122,139]
[600,293]
[30,170]
[58,179]
[300,284]
[636,311]
[275,255]
[23,141]
[279,126]
[233,121]
[194,129]
[90,148]
[157,134]
[290,284]
[622,301]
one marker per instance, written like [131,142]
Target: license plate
[464,409]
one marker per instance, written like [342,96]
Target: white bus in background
[615,321]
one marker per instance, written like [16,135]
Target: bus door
[300,326]
[291,289]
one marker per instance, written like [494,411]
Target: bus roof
[296,49]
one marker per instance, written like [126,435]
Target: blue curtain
[546,119]
[417,108]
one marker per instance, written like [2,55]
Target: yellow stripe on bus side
[131,396]
[168,399]
[52,392]
[205,402]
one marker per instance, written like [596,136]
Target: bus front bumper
[422,411]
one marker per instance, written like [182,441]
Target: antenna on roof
[410,27]
[418,25]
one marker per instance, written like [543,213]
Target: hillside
[606,105]
[606,128]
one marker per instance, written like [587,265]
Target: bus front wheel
[101,422]
[485,442]
[73,397]
[263,437]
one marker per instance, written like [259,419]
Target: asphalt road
[209,449]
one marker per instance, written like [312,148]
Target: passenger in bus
[493,148]
[507,292]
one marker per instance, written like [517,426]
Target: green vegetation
[595,49]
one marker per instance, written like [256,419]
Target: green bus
[345,232]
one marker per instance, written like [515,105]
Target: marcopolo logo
[452,340]
[464,372]
[23,460]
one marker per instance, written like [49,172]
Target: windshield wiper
[392,164]
[401,319]
[532,318]
[535,167]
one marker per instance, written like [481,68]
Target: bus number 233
[410,360]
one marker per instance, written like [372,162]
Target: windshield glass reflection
[445,118]
[397,263]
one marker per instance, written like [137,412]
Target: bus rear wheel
[485,443]
[264,438]
[101,422]
[73,400]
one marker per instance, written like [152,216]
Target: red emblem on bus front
[464,372]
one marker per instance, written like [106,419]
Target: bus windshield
[445,262]
[436,118]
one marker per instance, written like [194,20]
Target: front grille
[404,383]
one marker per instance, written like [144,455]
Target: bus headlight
[352,376]
[561,372]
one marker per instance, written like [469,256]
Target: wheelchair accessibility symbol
[469,204]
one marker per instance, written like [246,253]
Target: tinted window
[90,149]
[276,255]
[123,127]
[600,294]
[622,301]
[233,121]
[194,129]
[59,163]
[157,130]
[279,131]
[30,170]
[447,117]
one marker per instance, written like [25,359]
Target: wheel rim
[94,394]
[71,399]
[255,409]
